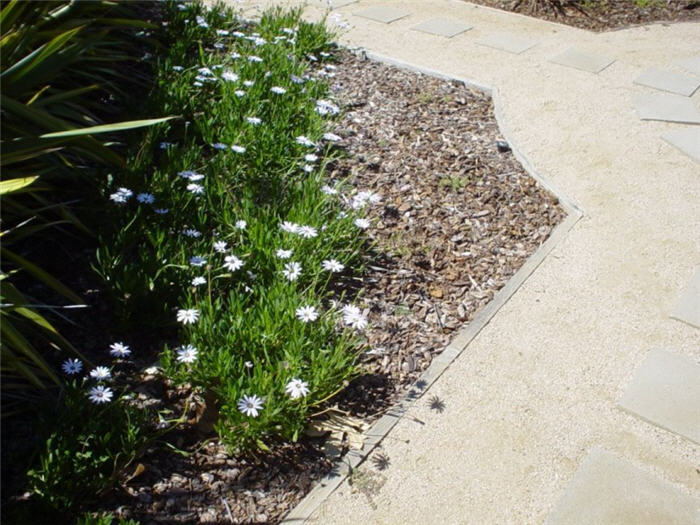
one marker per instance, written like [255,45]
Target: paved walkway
[534,427]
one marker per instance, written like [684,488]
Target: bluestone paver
[507,42]
[691,64]
[383,13]
[669,108]
[688,141]
[443,27]
[607,490]
[337,4]
[668,81]
[687,308]
[583,61]
[665,391]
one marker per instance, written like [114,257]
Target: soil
[458,216]
[602,15]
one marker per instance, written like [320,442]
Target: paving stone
[665,391]
[583,61]
[669,108]
[443,27]
[668,81]
[383,13]
[688,307]
[688,141]
[607,490]
[337,4]
[506,42]
[692,64]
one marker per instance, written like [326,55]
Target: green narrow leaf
[13,185]
[106,128]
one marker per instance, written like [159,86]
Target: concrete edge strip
[380,428]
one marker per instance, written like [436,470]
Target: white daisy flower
[306,313]
[326,107]
[310,157]
[201,22]
[197,189]
[307,232]
[248,83]
[161,211]
[187,354]
[205,71]
[297,80]
[219,146]
[283,254]
[198,260]
[235,56]
[197,84]
[311,57]
[100,394]
[289,227]
[232,263]
[254,58]
[238,34]
[297,388]
[199,281]
[238,149]
[121,195]
[248,364]
[177,68]
[255,121]
[308,168]
[288,30]
[241,225]
[278,90]
[362,223]
[145,198]
[188,316]
[353,316]
[229,76]
[119,350]
[100,373]
[220,246]
[332,137]
[239,93]
[191,232]
[332,265]
[292,270]
[250,405]
[304,141]
[72,366]
[328,190]
[222,32]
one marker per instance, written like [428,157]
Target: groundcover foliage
[220,224]
[226,225]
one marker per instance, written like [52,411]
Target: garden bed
[602,15]
[457,218]
[283,267]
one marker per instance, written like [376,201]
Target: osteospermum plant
[227,227]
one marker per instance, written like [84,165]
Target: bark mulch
[458,217]
[602,15]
